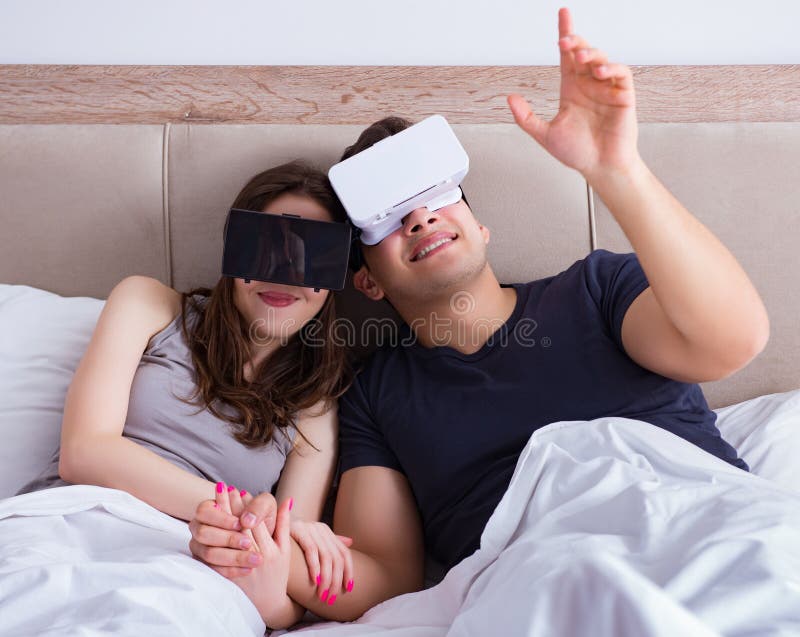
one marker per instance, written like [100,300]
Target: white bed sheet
[609,527]
[616,528]
[84,560]
[766,432]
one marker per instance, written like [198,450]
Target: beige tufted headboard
[86,204]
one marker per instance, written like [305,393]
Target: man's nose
[417,219]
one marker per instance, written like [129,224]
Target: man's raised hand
[595,130]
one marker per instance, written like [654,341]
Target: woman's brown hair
[300,373]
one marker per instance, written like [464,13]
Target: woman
[179,394]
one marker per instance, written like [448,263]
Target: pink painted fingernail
[231,488]
[332,600]
[220,486]
[216,506]
[324,595]
[291,503]
[350,586]
[319,577]
[242,493]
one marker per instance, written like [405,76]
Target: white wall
[490,32]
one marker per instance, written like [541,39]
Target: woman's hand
[330,565]
[266,584]
[595,130]
[262,570]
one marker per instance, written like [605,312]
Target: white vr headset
[421,166]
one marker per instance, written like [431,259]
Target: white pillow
[766,433]
[43,337]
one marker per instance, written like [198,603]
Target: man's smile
[431,244]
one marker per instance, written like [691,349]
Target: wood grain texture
[48,94]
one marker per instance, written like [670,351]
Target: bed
[85,203]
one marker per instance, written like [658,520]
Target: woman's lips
[276,299]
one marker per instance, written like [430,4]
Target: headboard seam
[165,203]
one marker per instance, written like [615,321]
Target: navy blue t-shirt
[454,424]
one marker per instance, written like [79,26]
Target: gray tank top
[193,439]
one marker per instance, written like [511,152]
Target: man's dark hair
[382,129]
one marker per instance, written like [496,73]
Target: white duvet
[611,527]
[84,560]
[615,528]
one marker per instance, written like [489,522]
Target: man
[433,430]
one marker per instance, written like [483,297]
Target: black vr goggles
[286,249]
[378,187]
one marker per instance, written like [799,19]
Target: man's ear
[369,287]
[485,232]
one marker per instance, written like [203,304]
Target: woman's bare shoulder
[153,302]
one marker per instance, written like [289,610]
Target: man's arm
[376,508]
[701,318]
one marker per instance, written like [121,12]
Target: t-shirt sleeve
[614,281]
[361,442]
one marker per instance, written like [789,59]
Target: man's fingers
[215,536]
[569,46]
[207,513]
[564,22]
[620,73]
[591,56]
[573,43]
[246,499]
[224,557]
[526,119]
[264,541]
[262,508]
[568,43]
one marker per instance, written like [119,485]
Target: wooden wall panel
[33,94]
